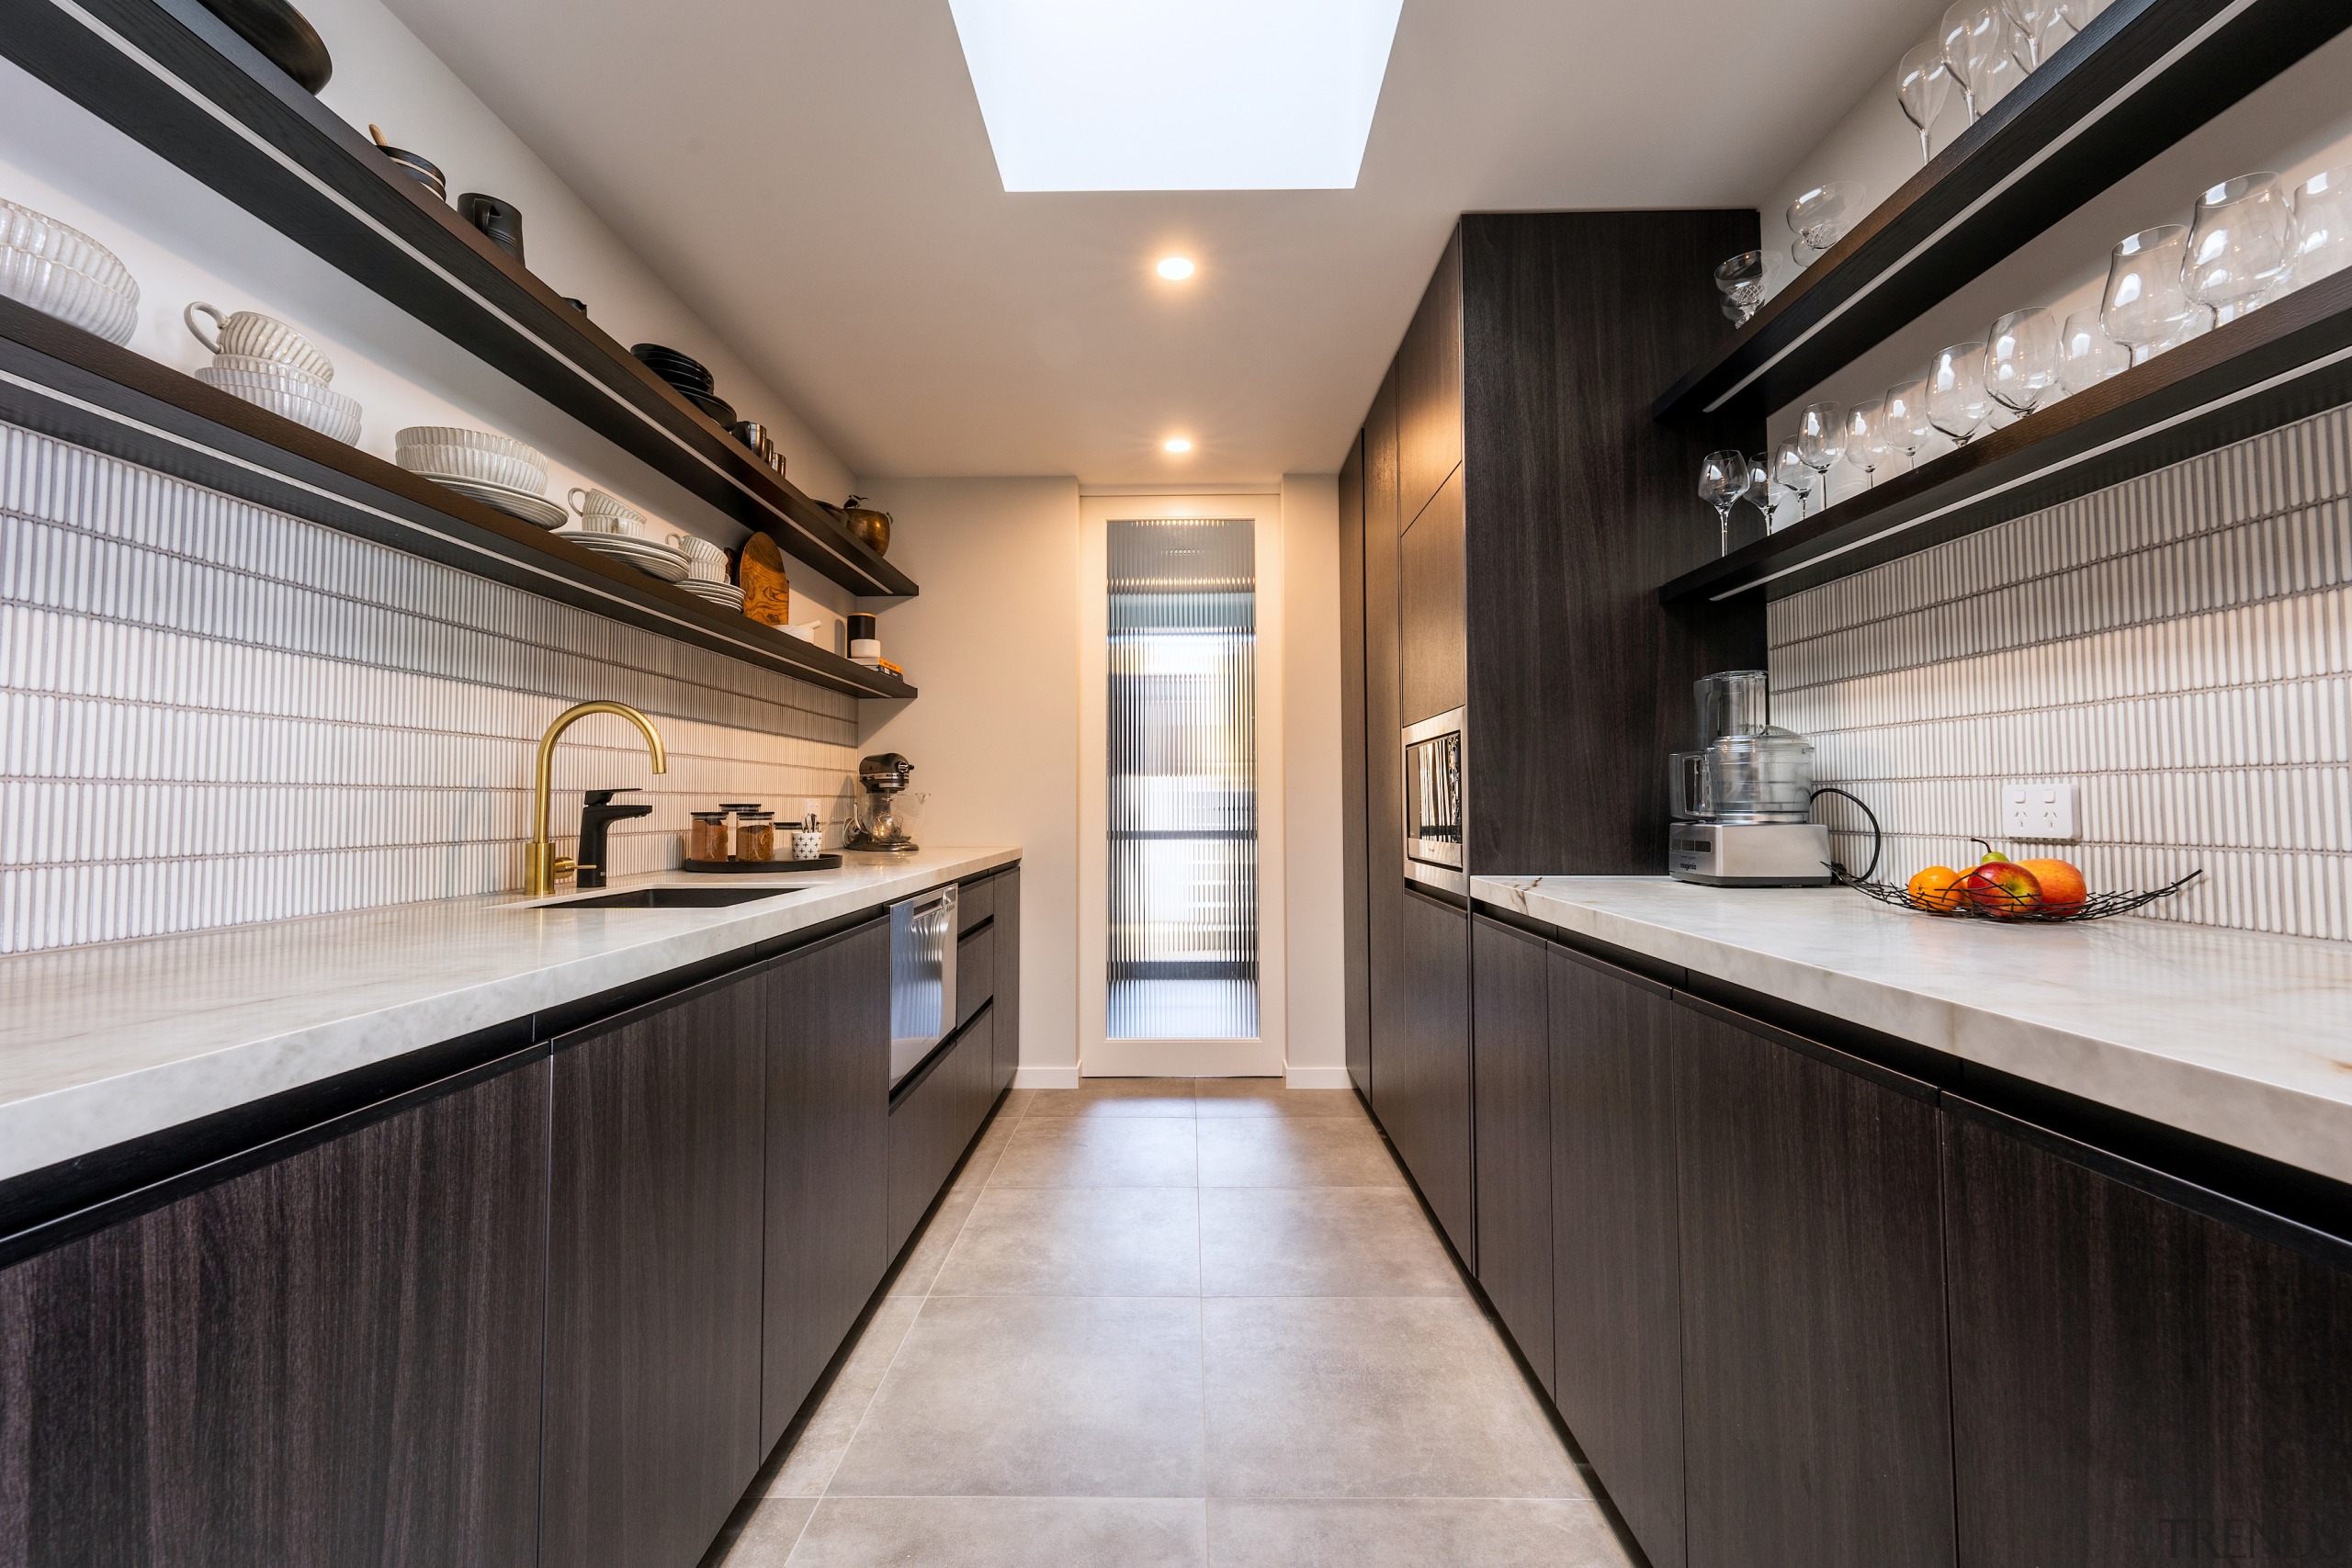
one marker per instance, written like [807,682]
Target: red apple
[2003,889]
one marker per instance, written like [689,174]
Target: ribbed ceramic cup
[249,334]
[705,562]
[603,513]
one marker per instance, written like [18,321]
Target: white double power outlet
[2041,810]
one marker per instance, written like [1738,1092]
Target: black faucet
[597,813]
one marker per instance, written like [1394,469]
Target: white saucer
[716,592]
[654,560]
[507,499]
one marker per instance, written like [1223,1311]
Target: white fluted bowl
[321,409]
[62,272]
[445,451]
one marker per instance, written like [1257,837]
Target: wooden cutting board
[767,593]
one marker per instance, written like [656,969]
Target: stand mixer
[1743,805]
[883,818]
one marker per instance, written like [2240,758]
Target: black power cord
[1878,835]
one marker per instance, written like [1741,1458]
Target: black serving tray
[760,867]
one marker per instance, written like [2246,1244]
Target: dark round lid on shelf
[720,409]
[284,35]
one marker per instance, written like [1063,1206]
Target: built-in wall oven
[922,977]
[1436,751]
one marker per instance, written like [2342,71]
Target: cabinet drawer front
[975,972]
[974,902]
[934,1124]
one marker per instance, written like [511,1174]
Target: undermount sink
[672,898]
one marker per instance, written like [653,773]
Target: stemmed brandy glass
[2241,247]
[1906,419]
[1821,441]
[1958,403]
[2021,359]
[2146,307]
[2085,356]
[1791,472]
[1722,479]
[1923,85]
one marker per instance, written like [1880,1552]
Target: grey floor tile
[1005,1532]
[1320,1241]
[1414,1533]
[1038,1396]
[1270,1097]
[1115,1098]
[1016,1104]
[1077,1241]
[766,1537]
[1294,1151]
[1351,1397]
[1065,1151]
[817,1453]
[937,1238]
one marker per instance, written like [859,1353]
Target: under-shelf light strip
[2061,466]
[2114,100]
[408,524]
[164,74]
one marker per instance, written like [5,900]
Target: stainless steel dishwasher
[922,977]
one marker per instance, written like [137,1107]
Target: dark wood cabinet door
[1616,1272]
[1428,386]
[1816,1422]
[828,1159]
[654,1268]
[934,1122]
[1433,661]
[331,1360]
[1356,1022]
[1007,1006]
[1423,1082]
[1383,764]
[2135,1378]
[975,970]
[1511,1079]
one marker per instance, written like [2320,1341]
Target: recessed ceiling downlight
[1176,95]
[1177,444]
[1175,269]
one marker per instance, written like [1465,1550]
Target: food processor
[883,818]
[1743,803]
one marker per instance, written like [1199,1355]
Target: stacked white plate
[530,508]
[654,560]
[496,470]
[288,393]
[726,596]
[60,271]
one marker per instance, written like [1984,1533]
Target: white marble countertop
[2243,1038]
[100,1044]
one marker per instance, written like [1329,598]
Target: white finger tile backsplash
[212,714]
[2180,644]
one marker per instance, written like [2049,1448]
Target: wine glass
[2241,247]
[1973,35]
[1792,474]
[1761,492]
[1958,403]
[1741,278]
[1866,441]
[2021,358]
[1820,218]
[1821,441]
[1924,86]
[1722,479]
[1906,419]
[2324,225]
[2031,23]
[2086,354]
[2146,308]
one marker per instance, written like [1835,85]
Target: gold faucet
[541,866]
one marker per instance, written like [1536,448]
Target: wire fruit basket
[1998,904]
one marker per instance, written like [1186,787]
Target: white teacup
[601,512]
[705,562]
[249,334]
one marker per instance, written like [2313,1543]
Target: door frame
[1098,1056]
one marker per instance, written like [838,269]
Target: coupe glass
[1924,86]
[1722,479]
[1907,420]
[1866,442]
[1821,441]
[1741,278]
[1820,218]
[2021,358]
[2146,308]
[2323,225]
[2085,355]
[1792,474]
[2241,247]
[1958,403]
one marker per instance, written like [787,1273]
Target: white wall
[1315,952]
[182,242]
[992,645]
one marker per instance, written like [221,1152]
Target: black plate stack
[689,376]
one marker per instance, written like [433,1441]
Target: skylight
[1176,95]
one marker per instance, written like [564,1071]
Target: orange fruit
[2063,890]
[1936,889]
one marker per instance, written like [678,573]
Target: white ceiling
[814,177]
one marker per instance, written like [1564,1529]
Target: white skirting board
[1067,1077]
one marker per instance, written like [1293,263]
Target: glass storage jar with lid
[708,840]
[756,836]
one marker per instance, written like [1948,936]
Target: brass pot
[867,527]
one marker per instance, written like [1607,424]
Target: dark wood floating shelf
[174,78]
[2143,74]
[71,384]
[2283,362]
